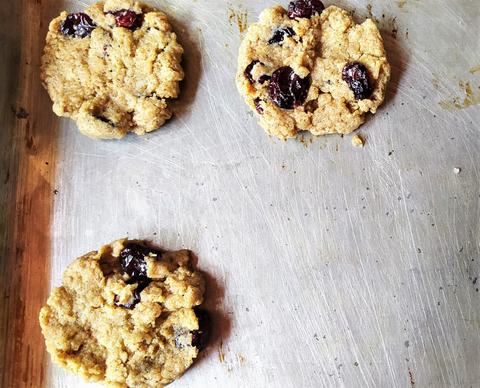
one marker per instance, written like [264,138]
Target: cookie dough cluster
[311,68]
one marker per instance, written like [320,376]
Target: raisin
[304,8]
[248,70]
[132,260]
[258,107]
[287,89]
[311,106]
[128,19]
[79,25]
[142,284]
[279,35]
[200,337]
[184,338]
[356,76]
[264,78]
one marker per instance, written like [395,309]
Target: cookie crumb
[358,141]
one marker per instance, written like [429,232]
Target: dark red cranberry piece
[257,103]
[248,73]
[78,24]
[304,8]
[200,337]
[105,120]
[287,89]
[132,260]
[128,19]
[142,284]
[311,106]
[356,76]
[264,78]
[248,70]
[279,35]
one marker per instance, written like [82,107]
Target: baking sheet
[328,265]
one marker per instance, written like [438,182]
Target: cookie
[127,316]
[311,68]
[113,68]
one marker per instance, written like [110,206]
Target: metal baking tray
[328,265]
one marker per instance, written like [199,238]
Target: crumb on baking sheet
[358,141]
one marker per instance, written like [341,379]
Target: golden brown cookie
[127,316]
[311,68]
[113,68]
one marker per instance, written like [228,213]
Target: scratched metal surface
[329,265]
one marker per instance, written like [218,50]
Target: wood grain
[31,131]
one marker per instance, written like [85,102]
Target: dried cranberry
[258,107]
[279,35]
[287,89]
[248,70]
[311,106]
[78,24]
[264,78]
[128,19]
[142,284]
[105,120]
[132,260]
[200,337]
[356,76]
[304,8]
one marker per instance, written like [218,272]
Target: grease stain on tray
[238,16]
[229,359]
[221,353]
[470,98]
[475,69]
[305,139]
[241,358]
[403,3]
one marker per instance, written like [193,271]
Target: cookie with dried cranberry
[112,68]
[127,315]
[311,68]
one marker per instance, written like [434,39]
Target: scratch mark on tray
[425,289]
[370,294]
[410,375]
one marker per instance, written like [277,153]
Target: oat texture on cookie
[112,68]
[311,68]
[127,315]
